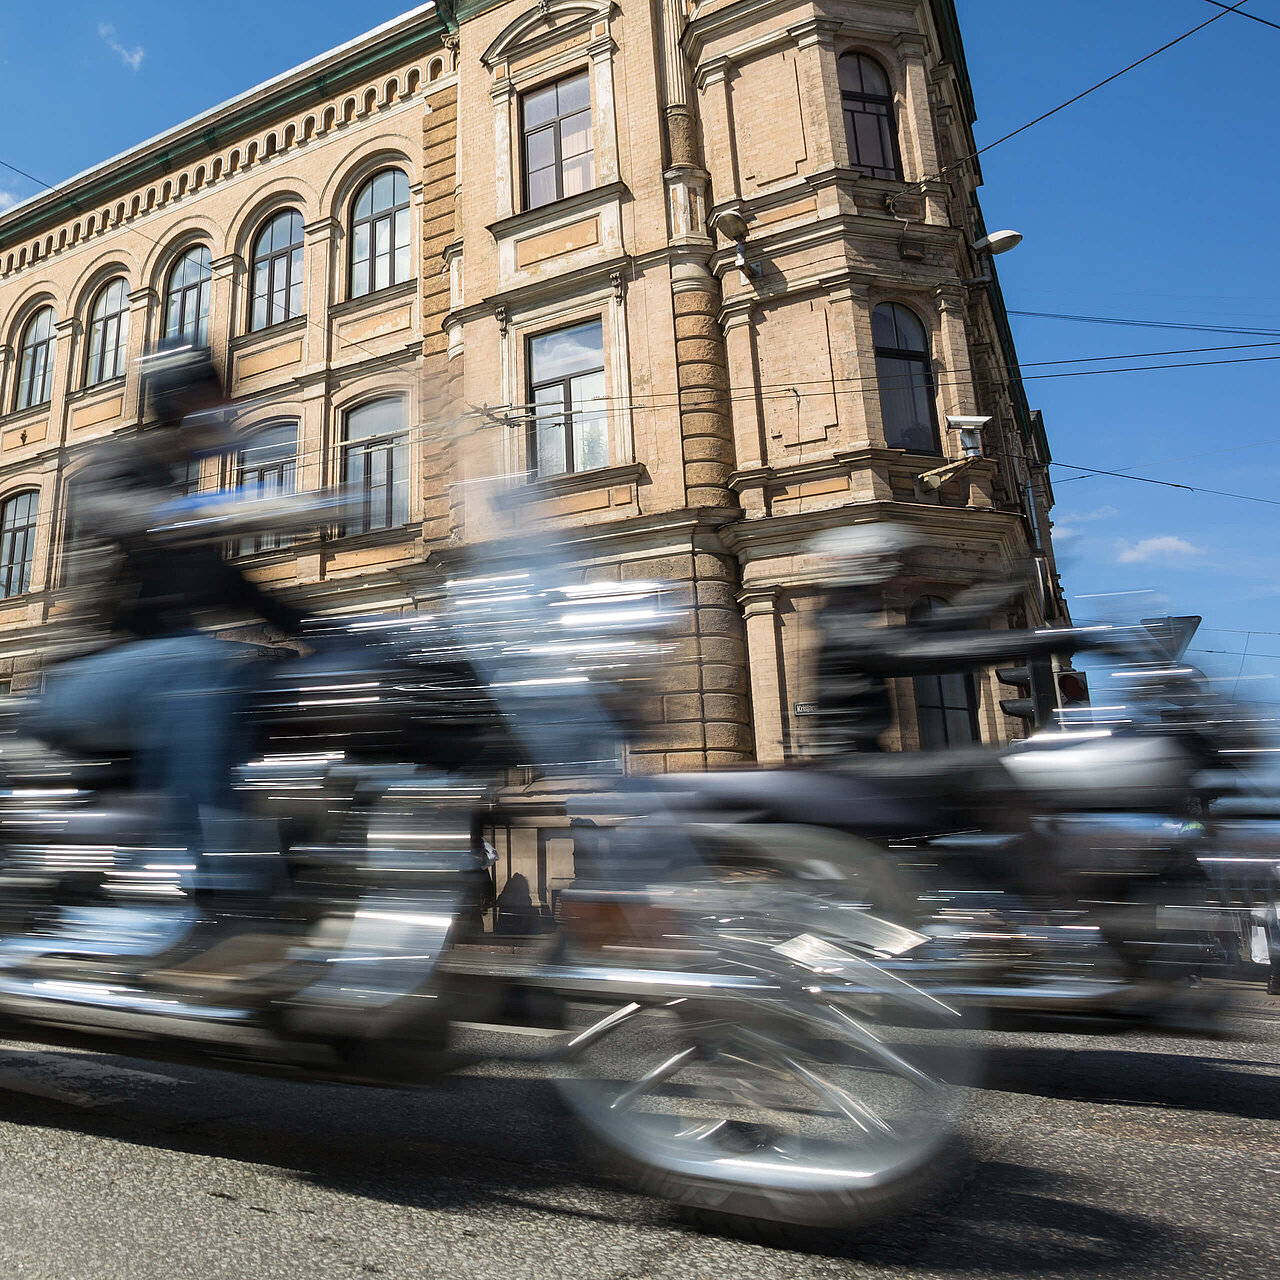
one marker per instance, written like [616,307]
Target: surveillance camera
[958,422]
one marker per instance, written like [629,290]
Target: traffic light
[1034,683]
[1073,689]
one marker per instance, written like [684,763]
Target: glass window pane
[575,134]
[401,188]
[122,344]
[539,149]
[383,191]
[95,353]
[574,94]
[295,297]
[577,175]
[382,236]
[539,106]
[550,447]
[360,243]
[360,279]
[400,487]
[364,205]
[401,237]
[868,149]
[542,188]
[377,418]
[567,351]
[382,271]
[403,269]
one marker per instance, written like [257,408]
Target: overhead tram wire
[1062,106]
[1238,330]
[1266,22]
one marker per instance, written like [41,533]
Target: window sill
[263,337]
[21,417]
[564,207]
[106,388]
[338,542]
[372,301]
[583,481]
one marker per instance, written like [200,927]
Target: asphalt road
[1097,1156]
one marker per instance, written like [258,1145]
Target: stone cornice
[156,158]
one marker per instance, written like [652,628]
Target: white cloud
[1086,517]
[7,200]
[132,58]
[1065,532]
[1155,549]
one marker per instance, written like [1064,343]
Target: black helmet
[177,381]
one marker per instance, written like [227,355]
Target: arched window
[186,306]
[108,333]
[380,238]
[268,466]
[35,360]
[277,271]
[905,376]
[946,706]
[868,116]
[17,542]
[375,464]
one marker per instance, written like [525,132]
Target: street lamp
[988,247]
[732,224]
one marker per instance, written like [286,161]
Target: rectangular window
[268,469]
[375,465]
[570,428]
[555,131]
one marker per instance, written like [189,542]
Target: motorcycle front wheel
[825,1091]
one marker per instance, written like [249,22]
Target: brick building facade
[687,271]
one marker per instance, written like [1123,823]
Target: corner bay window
[905,378]
[375,464]
[555,131]
[380,254]
[35,360]
[569,430]
[17,542]
[946,705]
[868,116]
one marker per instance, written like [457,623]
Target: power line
[1168,484]
[1187,457]
[1151,324]
[1266,22]
[1093,88]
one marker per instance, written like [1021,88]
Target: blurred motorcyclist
[871,568]
[165,690]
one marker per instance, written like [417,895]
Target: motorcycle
[1065,875]
[748,1044]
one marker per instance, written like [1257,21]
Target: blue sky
[1153,199]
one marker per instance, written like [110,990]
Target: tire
[796,1109]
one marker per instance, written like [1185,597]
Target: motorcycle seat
[879,803]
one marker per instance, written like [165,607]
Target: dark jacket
[141,584]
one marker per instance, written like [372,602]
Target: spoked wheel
[797,1105]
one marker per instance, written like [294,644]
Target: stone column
[320,240]
[702,376]
[768,673]
[605,113]
[65,348]
[750,448]
[222,307]
[956,375]
[7,361]
[505,160]
[143,305]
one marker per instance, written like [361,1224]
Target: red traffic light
[1073,688]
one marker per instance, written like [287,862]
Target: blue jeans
[174,702]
